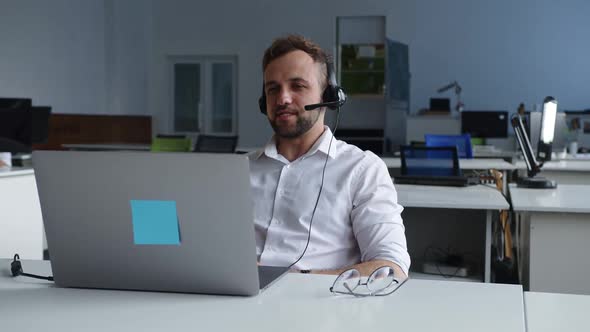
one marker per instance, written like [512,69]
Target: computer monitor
[15,130]
[15,103]
[547,129]
[40,124]
[485,124]
[533,167]
[216,143]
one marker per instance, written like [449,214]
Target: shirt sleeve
[376,216]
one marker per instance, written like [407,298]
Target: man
[357,221]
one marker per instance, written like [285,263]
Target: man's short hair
[290,43]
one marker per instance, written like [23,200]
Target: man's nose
[285,97]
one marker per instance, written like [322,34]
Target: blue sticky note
[155,222]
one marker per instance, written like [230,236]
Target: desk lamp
[458,89]
[533,167]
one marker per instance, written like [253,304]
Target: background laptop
[179,222]
[434,166]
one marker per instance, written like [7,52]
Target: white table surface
[474,164]
[15,171]
[295,303]
[550,312]
[565,198]
[560,165]
[483,197]
[494,154]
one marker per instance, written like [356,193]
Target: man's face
[291,82]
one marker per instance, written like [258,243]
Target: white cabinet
[21,224]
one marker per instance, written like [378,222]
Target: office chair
[430,161]
[214,143]
[163,143]
[462,142]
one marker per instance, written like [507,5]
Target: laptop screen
[430,161]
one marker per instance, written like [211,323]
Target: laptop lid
[98,209]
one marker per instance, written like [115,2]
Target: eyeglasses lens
[380,279]
[347,281]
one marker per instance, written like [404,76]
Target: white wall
[54,52]
[109,56]
[501,52]
[128,38]
[245,28]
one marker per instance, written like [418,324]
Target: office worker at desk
[357,222]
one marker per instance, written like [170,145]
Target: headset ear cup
[262,101]
[330,94]
[262,104]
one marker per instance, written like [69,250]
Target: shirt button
[288,166]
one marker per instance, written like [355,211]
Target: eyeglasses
[378,282]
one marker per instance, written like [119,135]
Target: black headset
[333,96]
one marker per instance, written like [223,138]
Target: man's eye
[272,90]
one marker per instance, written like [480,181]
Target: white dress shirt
[357,218]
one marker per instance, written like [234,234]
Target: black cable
[17,270]
[444,254]
[320,191]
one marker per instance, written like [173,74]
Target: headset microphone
[333,105]
[314,106]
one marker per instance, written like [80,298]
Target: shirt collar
[322,145]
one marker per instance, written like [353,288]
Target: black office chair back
[215,143]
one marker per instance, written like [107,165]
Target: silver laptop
[177,222]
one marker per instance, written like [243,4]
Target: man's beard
[302,125]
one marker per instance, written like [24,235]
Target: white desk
[563,171]
[479,197]
[297,302]
[510,155]
[21,224]
[394,164]
[547,312]
[554,239]
[108,147]
[464,164]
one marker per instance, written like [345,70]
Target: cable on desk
[17,270]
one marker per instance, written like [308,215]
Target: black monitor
[215,143]
[20,128]
[547,133]
[485,124]
[15,130]
[15,103]
[440,104]
[533,167]
[40,124]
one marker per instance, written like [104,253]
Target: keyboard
[450,181]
